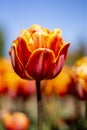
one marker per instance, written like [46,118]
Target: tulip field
[63,98]
[38,90]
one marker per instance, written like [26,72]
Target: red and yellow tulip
[38,53]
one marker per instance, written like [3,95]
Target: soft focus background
[65,97]
[68,15]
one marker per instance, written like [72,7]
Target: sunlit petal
[23,51]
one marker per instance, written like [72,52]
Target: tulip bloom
[38,53]
[79,76]
[16,121]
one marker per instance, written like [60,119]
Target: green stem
[39,105]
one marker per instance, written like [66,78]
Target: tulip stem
[39,105]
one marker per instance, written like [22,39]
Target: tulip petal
[23,51]
[17,65]
[55,42]
[61,59]
[39,63]
[39,39]
[64,50]
[56,66]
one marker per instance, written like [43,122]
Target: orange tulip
[60,84]
[7,120]
[4,63]
[38,53]
[16,121]
[79,76]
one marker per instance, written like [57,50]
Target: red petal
[16,63]
[61,59]
[55,42]
[55,68]
[23,51]
[64,50]
[39,63]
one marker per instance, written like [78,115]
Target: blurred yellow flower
[79,75]
[59,85]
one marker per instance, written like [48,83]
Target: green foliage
[1,43]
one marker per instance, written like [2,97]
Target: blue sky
[68,15]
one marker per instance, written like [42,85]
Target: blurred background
[65,97]
[68,15]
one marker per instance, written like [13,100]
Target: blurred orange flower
[38,53]
[11,84]
[59,85]
[79,75]
[4,66]
[16,121]
[26,88]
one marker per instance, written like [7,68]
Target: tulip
[78,87]
[16,121]
[38,53]
[79,76]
